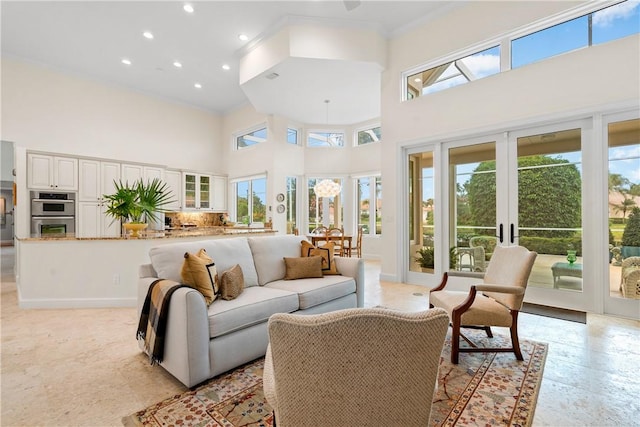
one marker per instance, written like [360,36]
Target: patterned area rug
[483,389]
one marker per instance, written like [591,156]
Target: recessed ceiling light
[243,37]
[226,67]
[197,86]
[126,61]
[177,64]
[417,80]
[148,35]
[188,8]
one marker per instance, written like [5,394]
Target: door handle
[501,233]
[513,236]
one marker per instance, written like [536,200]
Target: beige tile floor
[83,367]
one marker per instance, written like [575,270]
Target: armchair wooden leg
[455,341]
[514,335]
[487,329]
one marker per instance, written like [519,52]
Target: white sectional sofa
[201,341]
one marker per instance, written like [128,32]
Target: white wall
[6,161]
[587,78]
[50,111]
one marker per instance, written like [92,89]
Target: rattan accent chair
[630,277]
[495,302]
[353,367]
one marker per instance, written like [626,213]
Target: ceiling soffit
[293,72]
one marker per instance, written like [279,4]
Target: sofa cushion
[231,283]
[268,253]
[301,268]
[225,252]
[254,305]
[312,292]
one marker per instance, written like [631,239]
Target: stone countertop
[158,234]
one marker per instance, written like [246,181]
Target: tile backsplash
[200,219]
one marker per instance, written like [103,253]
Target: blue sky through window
[608,24]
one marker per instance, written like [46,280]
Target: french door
[524,187]
[546,195]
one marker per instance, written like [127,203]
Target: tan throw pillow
[199,272]
[326,252]
[231,283]
[302,268]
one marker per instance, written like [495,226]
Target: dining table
[315,238]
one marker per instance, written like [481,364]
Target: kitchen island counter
[71,272]
[157,234]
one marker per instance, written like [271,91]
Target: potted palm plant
[137,203]
[425,258]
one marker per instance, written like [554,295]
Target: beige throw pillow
[302,268]
[231,283]
[199,272]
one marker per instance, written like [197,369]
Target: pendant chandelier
[327,188]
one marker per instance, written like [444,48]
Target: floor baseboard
[555,312]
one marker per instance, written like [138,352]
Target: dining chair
[336,235]
[320,230]
[354,244]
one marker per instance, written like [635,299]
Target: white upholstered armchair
[495,302]
[353,367]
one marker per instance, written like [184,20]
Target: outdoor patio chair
[630,277]
[488,244]
[495,302]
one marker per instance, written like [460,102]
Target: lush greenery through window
[251,197]
[290,200]
[370,204]
[366,136]
[292,136]
[251,138]
[325,139]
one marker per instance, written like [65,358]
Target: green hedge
[552,245]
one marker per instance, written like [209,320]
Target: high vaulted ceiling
[89,39]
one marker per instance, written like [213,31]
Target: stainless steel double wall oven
[52,213]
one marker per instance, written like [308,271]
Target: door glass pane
[364,204]
[550,207]
[259,200]
[190,191]
[326,211]
[205,191]
[242,202]
[624,211]
[421,213]
[472,233]
[292,183]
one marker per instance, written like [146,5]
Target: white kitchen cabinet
[93,222]
[132,173]
[52,172]
[97,179]
[219,198]
[197,191]
[173,179]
